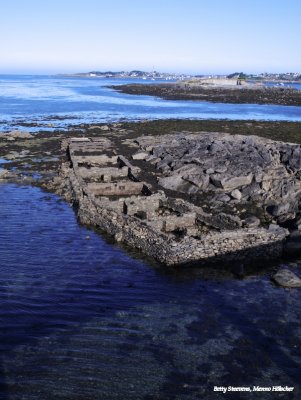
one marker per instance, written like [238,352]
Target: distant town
[155,75]
[287,77]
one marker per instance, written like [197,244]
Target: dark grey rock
[221,170]
[236,194]
[293,243]
[286,218]
[295,159]
[251,190]
[175,182]
[295,235]
[298,223]
[274,227]
[230,183]
[224,221]
[292,246]
[279,209]
[251,222]
[201,181]
[223,198]
[266,173]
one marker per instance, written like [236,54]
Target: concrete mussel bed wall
[109,194]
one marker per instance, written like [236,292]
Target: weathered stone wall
[150,223]
[104,174]
[243,244]
[122,188]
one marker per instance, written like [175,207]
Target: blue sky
[193,36]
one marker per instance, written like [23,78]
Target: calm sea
[84,319]
[53,102]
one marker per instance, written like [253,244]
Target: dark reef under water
[82,318]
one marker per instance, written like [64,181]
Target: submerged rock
[4,174]
[287,278]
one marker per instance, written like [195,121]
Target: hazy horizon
[192,37]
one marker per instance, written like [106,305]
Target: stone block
[201,181]
[140,156]
[104,174]
[230,183]
[125,188]
[156,224]
[79,140]
[279,209]
[236,194]
[148,205]
[173,222]
[124,162]
[102,159]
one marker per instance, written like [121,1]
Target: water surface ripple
[53,102]
[83,319]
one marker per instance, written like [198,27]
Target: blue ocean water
[83,319]
[56,101]
[292,85]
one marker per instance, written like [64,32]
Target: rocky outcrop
[231,169]
[237,94]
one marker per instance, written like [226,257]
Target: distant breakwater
[217,94]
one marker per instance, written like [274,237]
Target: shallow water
[58,102]
[292,85]
[83,319]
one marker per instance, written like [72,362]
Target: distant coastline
[288,77]
[135,74]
